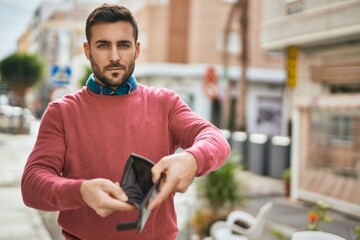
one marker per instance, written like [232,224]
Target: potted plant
[357,233]
[220,192]
[316,215]
[287,182]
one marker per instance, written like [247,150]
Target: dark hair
[110,13]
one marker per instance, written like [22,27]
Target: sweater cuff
[70,194]
[204,166]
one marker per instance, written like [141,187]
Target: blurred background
[281,78]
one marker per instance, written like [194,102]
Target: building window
[293,6]
[234,46]
[269,115]
[334,141]
[345,88]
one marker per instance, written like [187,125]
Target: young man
[85,139]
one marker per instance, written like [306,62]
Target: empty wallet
[137,183]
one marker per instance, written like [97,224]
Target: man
[85,139]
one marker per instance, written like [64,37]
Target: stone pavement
[18,222]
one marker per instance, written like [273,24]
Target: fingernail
[123,197]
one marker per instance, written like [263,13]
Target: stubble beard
[114,80]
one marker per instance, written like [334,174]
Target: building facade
[324,95]
[181,40]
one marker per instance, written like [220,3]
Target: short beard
[107,81]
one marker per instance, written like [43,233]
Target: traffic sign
[60,75]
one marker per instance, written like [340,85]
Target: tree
[241,103]
[21,71]
[85,77]
[241,7]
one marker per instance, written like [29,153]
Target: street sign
[60,75]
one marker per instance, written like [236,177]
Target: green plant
[221,192]
[276,232]
[287,181]
[221,189]
[357,233]
[317,215]
[287,174]
[20,71]
[85,76]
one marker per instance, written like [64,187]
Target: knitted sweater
[85,135]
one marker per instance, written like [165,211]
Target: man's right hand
[104,196]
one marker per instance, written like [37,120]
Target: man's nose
[114,54]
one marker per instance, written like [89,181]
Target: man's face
[112,52]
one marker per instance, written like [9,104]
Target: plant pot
[287,188]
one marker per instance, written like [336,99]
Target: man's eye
[124,45]
[103,45]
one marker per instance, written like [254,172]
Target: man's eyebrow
[106,41]
[102,41]
[125,41]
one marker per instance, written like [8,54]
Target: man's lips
[114,68]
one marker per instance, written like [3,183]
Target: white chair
[230,229]
[221,230]
[256,225]
[315,235]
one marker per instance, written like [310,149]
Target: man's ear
[137,50]
[87,50]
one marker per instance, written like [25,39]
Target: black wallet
[137,183]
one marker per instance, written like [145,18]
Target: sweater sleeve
[42,185]
[199,137]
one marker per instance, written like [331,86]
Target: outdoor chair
[221,230]
[315,235]
[242,225]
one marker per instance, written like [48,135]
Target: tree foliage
[22,70]
[85,77]
[222,189]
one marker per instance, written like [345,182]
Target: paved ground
[18,222]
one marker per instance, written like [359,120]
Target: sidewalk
[17,222]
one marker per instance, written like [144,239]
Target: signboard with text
[291,70]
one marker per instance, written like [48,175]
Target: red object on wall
[210,83]
[210,75]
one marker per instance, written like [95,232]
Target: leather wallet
[137,183]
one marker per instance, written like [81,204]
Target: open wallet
[137,183]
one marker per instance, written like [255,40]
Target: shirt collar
[125,88]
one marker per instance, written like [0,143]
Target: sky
[14,18]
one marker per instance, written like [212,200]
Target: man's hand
[104,196]
[178,171]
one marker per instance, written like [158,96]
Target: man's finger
[165,189]
[158,169]
[115,191]
[117,205]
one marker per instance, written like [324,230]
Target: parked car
[10,118]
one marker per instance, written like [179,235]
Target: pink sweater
[86,135]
